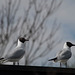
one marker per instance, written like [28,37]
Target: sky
[66,16]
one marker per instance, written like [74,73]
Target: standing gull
[17,53]
[64,55]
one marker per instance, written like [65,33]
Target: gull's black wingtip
[1,58]
[53,59]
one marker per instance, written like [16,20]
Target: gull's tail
[2,60]
[54,59]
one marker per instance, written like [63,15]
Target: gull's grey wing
[59,53]
[17,54]
[65,54]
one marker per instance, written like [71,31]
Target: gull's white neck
[66,47]
[20,44]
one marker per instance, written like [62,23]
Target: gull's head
[68,44]
[22,39]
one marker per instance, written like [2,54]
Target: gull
[17,53]
[64,55]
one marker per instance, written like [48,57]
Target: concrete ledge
[35,70]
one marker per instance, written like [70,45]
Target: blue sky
[66,15]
